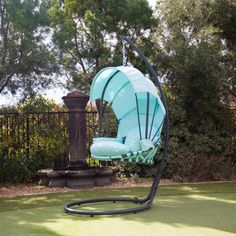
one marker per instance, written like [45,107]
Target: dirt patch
[12,190]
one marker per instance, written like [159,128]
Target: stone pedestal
[76,103]
[77,174]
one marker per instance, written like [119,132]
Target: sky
[52,93]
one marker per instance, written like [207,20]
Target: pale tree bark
[5,82]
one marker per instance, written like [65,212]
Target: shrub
[206,154]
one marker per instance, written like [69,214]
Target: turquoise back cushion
[146,144]
[133,140]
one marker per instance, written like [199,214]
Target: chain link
[124,54]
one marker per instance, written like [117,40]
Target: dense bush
[47,139]
[20,168]
[207,153]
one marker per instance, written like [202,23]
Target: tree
[88,33]
[212,23]
[25,61]
[196,52]
[195,48]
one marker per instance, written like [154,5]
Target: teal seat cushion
[108,148]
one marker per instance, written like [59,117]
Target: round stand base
[144,205]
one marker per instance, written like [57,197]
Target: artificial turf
[189,209]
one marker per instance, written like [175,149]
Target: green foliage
[86,33]
[191,156]
[194,59]
[38,104]
[47,139]
[207,25]
[25,59]
[199,155]
[19,169]
[135,178]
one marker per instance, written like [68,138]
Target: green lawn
[191,209]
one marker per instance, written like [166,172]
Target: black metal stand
[143,207]
[145,203]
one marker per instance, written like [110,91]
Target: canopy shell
[133,98]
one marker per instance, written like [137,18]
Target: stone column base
[76,179]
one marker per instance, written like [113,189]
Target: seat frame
[143,203]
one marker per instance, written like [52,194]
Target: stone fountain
[77,174]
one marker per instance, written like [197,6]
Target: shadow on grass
[209,206]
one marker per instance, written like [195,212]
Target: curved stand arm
[149,66]
[153,73]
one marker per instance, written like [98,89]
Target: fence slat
[40,135]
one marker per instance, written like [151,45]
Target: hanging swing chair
[141,112]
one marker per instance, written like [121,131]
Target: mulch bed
[24,189]
[12,190]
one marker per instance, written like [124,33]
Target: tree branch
[79,54]
[4,32]
[77,59]
[5,83]
[231,91]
